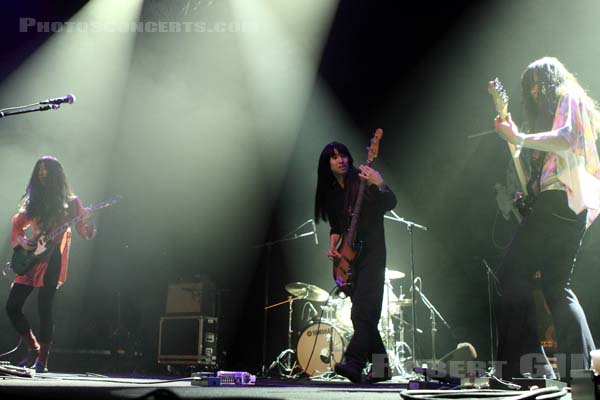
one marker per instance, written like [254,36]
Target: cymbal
[308,291]
[392,274]
[402,302]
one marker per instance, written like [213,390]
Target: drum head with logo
[319,347]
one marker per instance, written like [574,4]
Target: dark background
[203,188]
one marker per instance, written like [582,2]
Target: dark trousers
[19,294]
[546,241]
[366,311]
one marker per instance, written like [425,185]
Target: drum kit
[323,339]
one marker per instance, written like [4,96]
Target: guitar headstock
[373,149]
[499,96]
[107,203]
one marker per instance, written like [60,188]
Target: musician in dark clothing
[564,125]
[337,188]
[47,203]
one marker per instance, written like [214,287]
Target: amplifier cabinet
[188,340]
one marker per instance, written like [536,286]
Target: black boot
[33,350]
[373,378]
[29,360]
[351,370]
[41,363]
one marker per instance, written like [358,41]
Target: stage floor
[91,386]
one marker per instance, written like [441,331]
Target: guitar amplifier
[191,298]
[188,340]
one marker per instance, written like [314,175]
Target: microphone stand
[269,245]
[7,112]
[434,312]
[490,275]
[409,227]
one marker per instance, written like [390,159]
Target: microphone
[69,98]
[325,355]
[314,226]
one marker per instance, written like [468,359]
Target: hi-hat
[307,291]
[392,274]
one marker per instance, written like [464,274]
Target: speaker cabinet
[188,340]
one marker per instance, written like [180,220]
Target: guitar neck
[59,230]
[496,90]
[356,213]
[518,168]
[516,160]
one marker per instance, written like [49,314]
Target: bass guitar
[23,260]
[349,247]
[523,201]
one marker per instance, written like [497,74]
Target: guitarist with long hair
[337,187]
[564,123]
[48,201]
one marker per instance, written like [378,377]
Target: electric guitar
[349,247]
[23,260]
[525,201]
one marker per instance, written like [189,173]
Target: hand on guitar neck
[508,130]
[372,176]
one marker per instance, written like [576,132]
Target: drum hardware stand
[401,346]
[409,227]
[269,245]
[288,353]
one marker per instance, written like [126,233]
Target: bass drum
[319,347]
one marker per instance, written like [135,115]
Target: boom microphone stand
[269,245]
[433,312]
[490,284]
[409,227]
[44,105]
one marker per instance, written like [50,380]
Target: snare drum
[319,347]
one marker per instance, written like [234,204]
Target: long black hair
[47,202]
[326,180]
[554,80]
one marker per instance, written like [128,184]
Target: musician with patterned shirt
[563,128]
[47,203]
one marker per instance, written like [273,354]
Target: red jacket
[35,276]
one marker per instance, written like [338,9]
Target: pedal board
[527,383]
[429,385]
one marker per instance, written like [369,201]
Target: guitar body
[524,204]
[343,268]
[23,260]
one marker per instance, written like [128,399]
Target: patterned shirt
[577,169]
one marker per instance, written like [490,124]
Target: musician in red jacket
[337,189]
[47,203]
